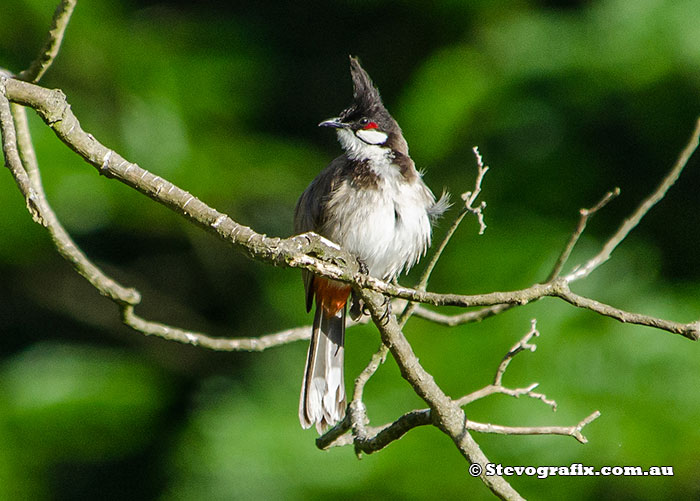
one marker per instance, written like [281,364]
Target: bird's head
[366,122]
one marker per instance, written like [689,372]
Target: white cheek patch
[371,136]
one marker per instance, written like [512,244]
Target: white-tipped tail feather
[322,400]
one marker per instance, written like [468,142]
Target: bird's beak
[334,122]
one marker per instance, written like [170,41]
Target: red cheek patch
[371,125]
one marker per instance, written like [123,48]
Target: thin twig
[446,414]
[571,431]
[52,44]
[26,147]
[471,196]
[631,222]
[381,436]
[219,344]
[689,330]
[24,167]
[523,344]
[502,390]
[497,386]
[461,318]
[585,215]
[306,251]
[357,412]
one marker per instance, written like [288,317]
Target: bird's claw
[362,266]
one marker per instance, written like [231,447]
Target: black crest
[366,99]
[368,104]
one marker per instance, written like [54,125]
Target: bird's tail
[322,399]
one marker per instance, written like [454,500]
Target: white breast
[387,227]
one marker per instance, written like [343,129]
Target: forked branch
[374,439]
[316,254]
[308,251]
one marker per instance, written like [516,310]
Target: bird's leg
[363,267]
[358,308]
[384,319]
[386,306]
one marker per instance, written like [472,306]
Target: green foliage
[61,403]
[564,99]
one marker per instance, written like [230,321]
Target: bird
[372,202]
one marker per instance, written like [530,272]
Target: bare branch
[374,439]
[461,318]
[557,288]
[572,431]
[471,196]
[52,44]
[382,436]
[521,345]
[378,438]
[220,344]
[357,412]
[64,244]
[446,414]
[630,223]
[425,276]
[585,215]
[497,386]
[513,392]
[307,251]
[24,168]
[690,330]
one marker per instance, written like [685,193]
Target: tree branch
[446,414]
[384,435]
[52,44]
[461,318]
[356,416]
[376,438]
[631,222]
[572,431]
[29,181]
[25,170]
[219,344]
[690,330]
[585,215]
[471,196]
[308,251]
[318,255]
[497,385]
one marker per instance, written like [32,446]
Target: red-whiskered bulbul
[372,202]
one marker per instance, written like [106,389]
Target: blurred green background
[566,100]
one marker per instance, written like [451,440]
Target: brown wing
[309,213]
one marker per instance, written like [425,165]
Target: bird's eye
[364,121]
